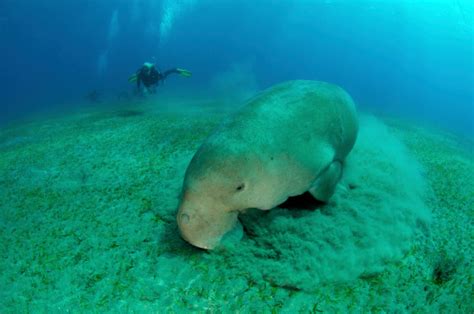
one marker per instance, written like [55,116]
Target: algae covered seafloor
[87,218]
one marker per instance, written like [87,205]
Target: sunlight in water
[113,26]
[172,9]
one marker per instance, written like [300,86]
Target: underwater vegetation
[88,222]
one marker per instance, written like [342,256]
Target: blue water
[397,57]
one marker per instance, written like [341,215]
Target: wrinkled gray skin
[288,139]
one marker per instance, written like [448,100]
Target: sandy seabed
[87,223]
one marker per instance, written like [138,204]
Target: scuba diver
[150,76]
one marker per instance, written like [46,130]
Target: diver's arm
[168,72]
[182,72]
[139,77]
[139,80]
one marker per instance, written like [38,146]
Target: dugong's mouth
[207,231]
[194,231]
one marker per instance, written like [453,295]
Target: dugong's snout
[189,227]
[204,228]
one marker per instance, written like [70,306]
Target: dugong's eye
[240,187]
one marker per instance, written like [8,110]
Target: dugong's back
[301,114]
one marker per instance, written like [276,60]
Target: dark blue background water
[407,59]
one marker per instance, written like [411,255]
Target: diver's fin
[184,72]
[133,78]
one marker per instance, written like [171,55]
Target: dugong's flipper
[323,187]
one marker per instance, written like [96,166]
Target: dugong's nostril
[184,218]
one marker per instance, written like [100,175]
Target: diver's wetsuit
[150,76]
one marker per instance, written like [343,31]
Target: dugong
[288,139]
